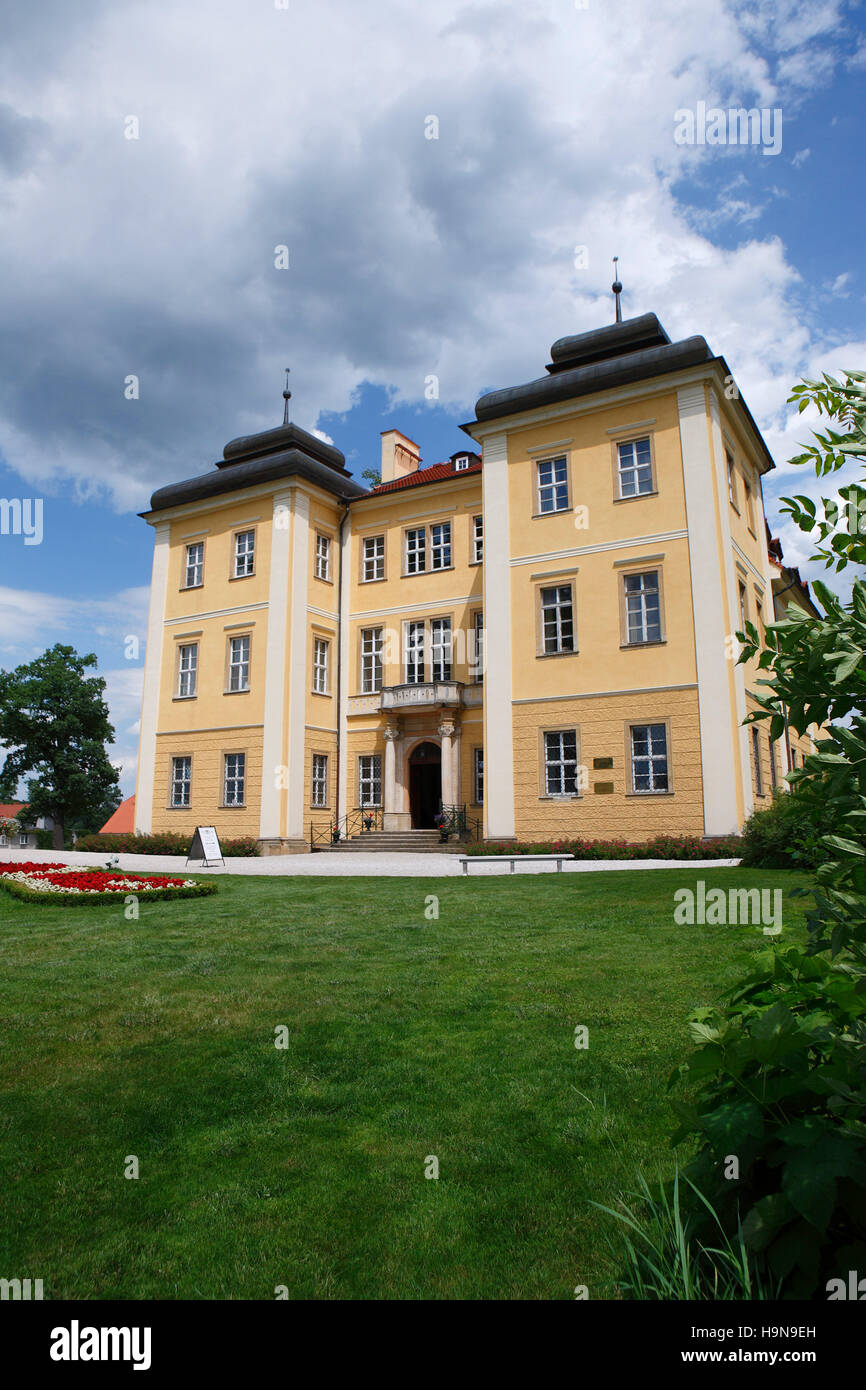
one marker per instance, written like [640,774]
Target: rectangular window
[552,485]
[560,763]
[194,571]
[732,479]
[744,611]
[320,779]
[635,467]
[245,553]
[440,649]
[239,663]
[478,775]
[323,557]
[750,505]
[371,660]
[370,780]
[774,773]
[187,670]
[477,539]
[414,653]
[649,758]
[23,839]
[440,546]
[416,550]
[557,619]
[234,779]
[374,558]
[320,666]
[461,463]
[756,759]
[643,621]
[181,780]
[476,656]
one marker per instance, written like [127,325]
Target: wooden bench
[512,859]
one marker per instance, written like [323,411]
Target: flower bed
[66,885]
[661,847]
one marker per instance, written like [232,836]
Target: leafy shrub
[787,835]
[781,1076]
[44,839]
[165,842]
[687,847]
[31,895]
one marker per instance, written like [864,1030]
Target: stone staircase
[394,842]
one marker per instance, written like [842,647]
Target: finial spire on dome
[617,288]
[287,396]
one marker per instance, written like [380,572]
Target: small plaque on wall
[599,763]
[603,788]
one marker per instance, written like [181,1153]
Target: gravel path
[350,865]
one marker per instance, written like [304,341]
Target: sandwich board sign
[205,846]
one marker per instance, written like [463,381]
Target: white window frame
[323,557]
[194,565]
[555,640]
[414,651]
[477,539]
[630,464]
[654,771]
[321,664]
[756,762]
[187,670]
[552,490]
[461,463]
[561,751]
[636,603]
[370,779]
[234,779]
[371,660]
[478,776]
[415,550]
[373,559]
[239,663]
[440,545]
[441,649]
[181,780]
[245,553]
[476,664]
[319,780]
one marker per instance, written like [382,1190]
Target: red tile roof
[9,810]
[123,820]
[435,473]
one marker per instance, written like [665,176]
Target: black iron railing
[358,822]
[453,820]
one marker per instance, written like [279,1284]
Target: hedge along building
[541,632]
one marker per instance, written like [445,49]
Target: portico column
[446,733]
[455,767]
[393,818]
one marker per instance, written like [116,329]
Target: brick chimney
[400,455]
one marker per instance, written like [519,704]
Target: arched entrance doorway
[425,785]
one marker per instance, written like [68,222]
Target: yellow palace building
[539,630]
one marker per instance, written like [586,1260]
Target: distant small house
[18,828]
[123,820]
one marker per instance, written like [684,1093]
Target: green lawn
[408,1037]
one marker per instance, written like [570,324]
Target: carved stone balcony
[425,695]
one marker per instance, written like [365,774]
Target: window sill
[178,808]
[185,588]
[647,795]
[323,694]
[558,511]
[562,796]
[638,497]
[734,507]
[323,580]
[245,691]
[233,578]
[545,656]
[655,642]
[235,806]
[177,699]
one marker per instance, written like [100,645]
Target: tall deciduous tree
[53,728]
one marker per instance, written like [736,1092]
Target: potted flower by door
[442,822]
[368,822]
[335,834]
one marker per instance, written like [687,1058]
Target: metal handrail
[360,821]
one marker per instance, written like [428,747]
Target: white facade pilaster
[498,718]
[298,662]
[146,773]
[273,734]
[719,737]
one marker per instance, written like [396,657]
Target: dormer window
[461,462]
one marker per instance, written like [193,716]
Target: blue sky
[259,126]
